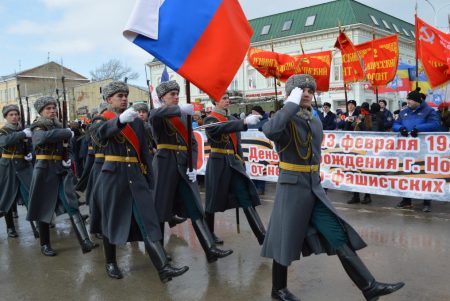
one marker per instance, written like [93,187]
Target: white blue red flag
[205,41]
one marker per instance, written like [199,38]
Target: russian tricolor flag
[205,41]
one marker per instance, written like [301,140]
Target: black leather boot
[209,218]
[207,242]
[83,237]
[362,277]
[367,199]
[11,228]
[279,283]
[162,226]
[112,269]
[159,259]
[255,224]
[175,220]
[355,199]
[44,236]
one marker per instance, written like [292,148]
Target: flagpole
[314,95]
[189,127]
[417,55]
[376,87]
[277,107]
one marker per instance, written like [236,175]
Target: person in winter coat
[416,118]
[303,220]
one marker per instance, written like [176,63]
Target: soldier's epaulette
[99,118]
[38,126]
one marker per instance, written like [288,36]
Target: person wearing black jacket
[328,118]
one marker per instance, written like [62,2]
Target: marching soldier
[128,209]
[226,180]
[303,219]
[15,165]
[92,189]
[143,113]
[88,164]
[52,180]
[175,188]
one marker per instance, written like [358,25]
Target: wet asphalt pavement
[404,245]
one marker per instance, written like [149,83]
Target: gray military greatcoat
[48,175]
[121,185]
[170,166]
[289,232]
[13,172]
[221,167]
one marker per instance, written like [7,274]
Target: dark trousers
[184,193]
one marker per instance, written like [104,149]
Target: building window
[374,20]
[270,82]
[337,69]
[310,20]
[386,24]
[234,85]
[406,33]
[287,25]
[396,28]
[251,79]
[265,29]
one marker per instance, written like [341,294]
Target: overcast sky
[87,33]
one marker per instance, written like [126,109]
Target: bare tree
[115,70]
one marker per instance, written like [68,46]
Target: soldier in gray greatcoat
[143,111]
[52,183]
[15,165]
[128,209]
[226,181]
[92,189]
[176,190]
[303,220]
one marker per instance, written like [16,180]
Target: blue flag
[165,75]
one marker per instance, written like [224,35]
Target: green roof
[327,15]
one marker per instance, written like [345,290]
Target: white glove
[28,157]
[192,175]
[27,132]
[252,119]
[128,116]
[295,96]
[187,109]
[67,163]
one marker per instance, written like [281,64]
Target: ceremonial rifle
[59,105]
[25,146]
[150,99]
[64,120]
[28,112]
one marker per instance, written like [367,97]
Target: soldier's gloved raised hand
[28,157]
[27,132]
[414,132]
[403,131]
[252,119]
[192,175]
[295,96]
[187,109]
[67,163]
[129,115]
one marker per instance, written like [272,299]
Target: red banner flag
[380,58]
[351,62]
[433,50]
[318,65]
[282,66]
